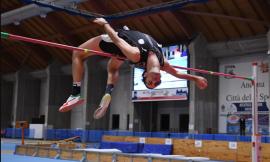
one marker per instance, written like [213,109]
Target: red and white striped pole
[256,138]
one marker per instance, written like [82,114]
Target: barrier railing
[85,155]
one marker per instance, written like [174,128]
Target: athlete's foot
[71,102]
[103,106]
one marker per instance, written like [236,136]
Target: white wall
[233,91]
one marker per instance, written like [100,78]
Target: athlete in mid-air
[137,47]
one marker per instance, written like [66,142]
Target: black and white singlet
[143,41]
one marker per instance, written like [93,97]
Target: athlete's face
[152,79]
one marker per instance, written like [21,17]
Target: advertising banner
[235,98]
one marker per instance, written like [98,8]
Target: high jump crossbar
[5,35]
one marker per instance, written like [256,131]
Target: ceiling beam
[55,21]
[37,53]
[262,8]
[184,25]
[25,12]
[236,18]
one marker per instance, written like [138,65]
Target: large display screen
[171,88]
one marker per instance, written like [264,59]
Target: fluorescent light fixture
[16,23]
[43,15]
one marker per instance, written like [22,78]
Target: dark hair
[144,81]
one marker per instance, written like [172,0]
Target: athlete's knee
[77,55]
[90,44]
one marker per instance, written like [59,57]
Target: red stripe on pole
[72,48]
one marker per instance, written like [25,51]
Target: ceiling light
[43,15]
[16,23]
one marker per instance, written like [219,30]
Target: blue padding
[94,135]
[160,134]
[18,133]
[224,137]
[26,132]
[265,139]
[143,134]
[9,132]
[72,133]
[157,149]
[61,134]
[141,146]
[122,133]
[179,135]
[105,145]
[126,147]
[83,134]
[58,134]
[50,134]
[110,133]
[245,138]
[203,136]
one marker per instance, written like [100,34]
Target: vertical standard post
[256,138]
[22,127]
[22,135]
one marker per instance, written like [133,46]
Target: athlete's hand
[100,21]
[201,82]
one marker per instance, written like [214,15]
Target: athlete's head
[151,76]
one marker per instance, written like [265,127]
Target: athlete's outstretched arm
[201,82]
[132,53]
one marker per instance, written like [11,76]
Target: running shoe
[71,102]
[103,106]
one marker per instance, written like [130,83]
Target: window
[115,121]
[183,122]
[164,122]
[127,121]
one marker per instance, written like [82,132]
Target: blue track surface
[8,146]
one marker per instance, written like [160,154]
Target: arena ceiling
[218,20]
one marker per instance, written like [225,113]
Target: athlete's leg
[113,70]
[78,57]
[113,75]
[77,73]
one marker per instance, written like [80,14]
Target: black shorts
[110,47]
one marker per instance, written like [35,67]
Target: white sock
[78,84]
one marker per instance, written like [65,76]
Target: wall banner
[235,94]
